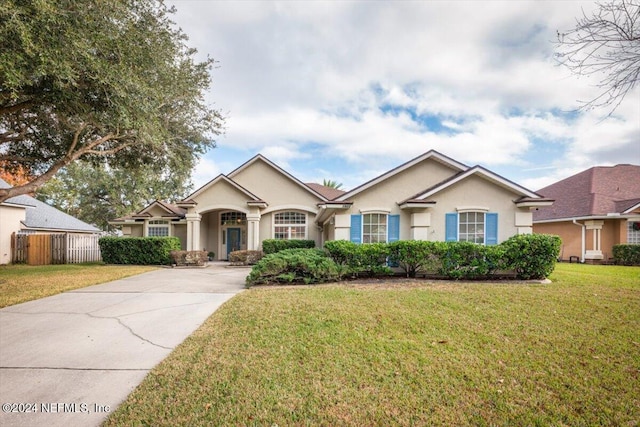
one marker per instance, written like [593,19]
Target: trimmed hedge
[532,256]
[138,250]
[271,246]
[626,254]
[360,260]
[295,266]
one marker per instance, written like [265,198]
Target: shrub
[466,260]
[294,266]
[414,256]
[626,254]
[245,257]
[368,259]
[138,250]
[189,257]
[271,246]
[531,256]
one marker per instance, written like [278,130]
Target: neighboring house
[431,197]
[24,214]
[594,210]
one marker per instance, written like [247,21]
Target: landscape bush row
[138,250]
[271,246]
[530,256]
[626,254]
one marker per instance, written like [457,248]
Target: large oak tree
[111,82]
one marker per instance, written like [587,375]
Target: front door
[233,240]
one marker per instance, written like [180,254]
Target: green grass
[409,353]
[21,283]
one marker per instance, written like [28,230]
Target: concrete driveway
[71,359]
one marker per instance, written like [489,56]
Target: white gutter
[584,228]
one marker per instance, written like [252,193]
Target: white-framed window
[158,228]
[471,227]
[633,232]
[374,228]
[290,225]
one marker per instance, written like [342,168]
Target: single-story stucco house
[27,215]
[431,197]
[595,210]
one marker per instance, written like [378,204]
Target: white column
[193,231]
[596,229]
[253,231]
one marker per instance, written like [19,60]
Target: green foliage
[100,81]
[138,250]
[531,256]
[294,266]
[270,246]
[332,184]
[626,254]
[415,255]
[466,260]
[367,260]
[96,193]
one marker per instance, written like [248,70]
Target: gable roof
[431,154]
[328,192]
[259,157]
[482,172]
[41,216]
[221,177]
[597,191]
[172,211]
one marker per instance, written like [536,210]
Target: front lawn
[409,353]
[21,283]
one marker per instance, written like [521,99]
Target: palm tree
[331,184]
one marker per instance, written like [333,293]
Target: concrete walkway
[71,359]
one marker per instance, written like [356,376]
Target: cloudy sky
[348,90]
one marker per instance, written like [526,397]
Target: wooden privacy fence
[59,248]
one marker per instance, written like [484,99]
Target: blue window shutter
[491,228]
[356,228]
[451,229]
[393,228]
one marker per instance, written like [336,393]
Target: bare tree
[605,44]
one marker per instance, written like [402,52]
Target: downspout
[584,236]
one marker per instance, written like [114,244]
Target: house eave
[426,204]
[534,203]
[588,218]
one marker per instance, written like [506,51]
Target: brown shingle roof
[595,191]
[328,192]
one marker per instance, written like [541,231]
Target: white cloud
[295,75]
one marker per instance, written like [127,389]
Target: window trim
[484,226]
[158,224]
[290,225]
[386,225]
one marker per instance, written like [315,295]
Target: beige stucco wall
[472,192]
[10,218]
[477,192]
[273,187]
[157,212]
[133,230]
[267,226]
[180,231]
[221,195]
